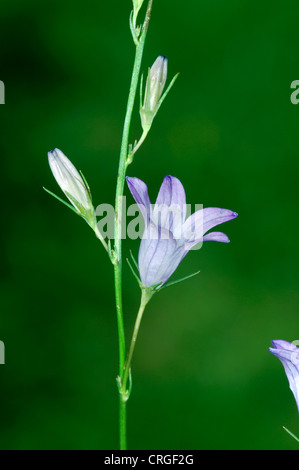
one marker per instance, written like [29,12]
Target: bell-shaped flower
[73,185]
[168,235]
[288,354]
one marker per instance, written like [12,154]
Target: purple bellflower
[168,235]
[288,354]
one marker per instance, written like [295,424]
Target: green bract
[137,4]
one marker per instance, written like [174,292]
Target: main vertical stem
[118,220]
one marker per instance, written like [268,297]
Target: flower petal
[140,193]
[203,220]
[281,344]
[171,192]
[158,255]
[288,354]
[216,237]
[170,207]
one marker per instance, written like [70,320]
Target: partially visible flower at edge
[73,185]
[288,354]
[160,255]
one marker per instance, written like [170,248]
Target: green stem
[123,424]
[118,218]
[140,142]
[100,237]
[145,298]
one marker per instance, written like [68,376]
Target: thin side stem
[140,142]
[118,218]
[100,237]
[143,303]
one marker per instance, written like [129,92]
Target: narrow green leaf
[86,184]
[134,32]
[179,280]
[134,260]
[155,287]
[61,200]
[141,91]
[133,272]
[291,434]
[130,383]
[167,91]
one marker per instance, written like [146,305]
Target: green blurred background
[202,374]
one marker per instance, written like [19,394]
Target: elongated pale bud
[154,93]
[73,185]
[157,80]
[155,84]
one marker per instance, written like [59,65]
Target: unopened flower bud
[155,84]
[72,184]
